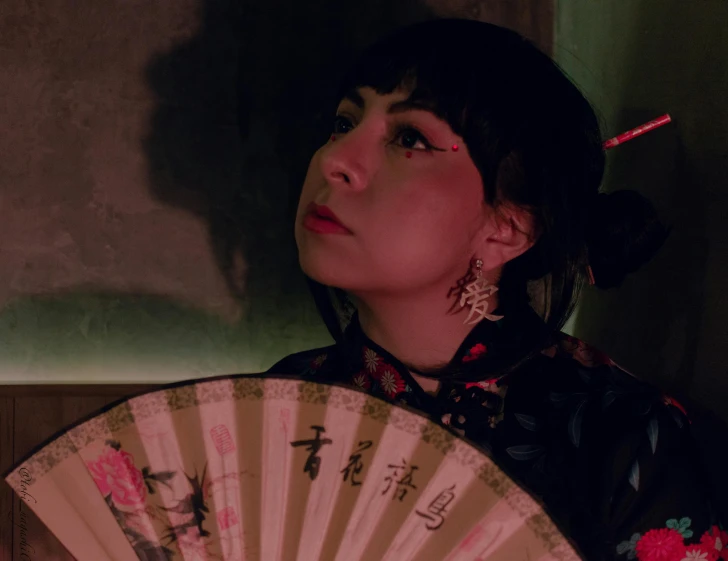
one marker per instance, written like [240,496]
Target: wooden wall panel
[6,493]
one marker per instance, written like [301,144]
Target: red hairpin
[634,133]
[590,274]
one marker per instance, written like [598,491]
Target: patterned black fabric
[609,456]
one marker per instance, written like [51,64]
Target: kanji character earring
[476,295]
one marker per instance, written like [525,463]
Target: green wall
[635,60]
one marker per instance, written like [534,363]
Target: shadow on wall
[241,108]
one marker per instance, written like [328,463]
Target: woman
[454,216]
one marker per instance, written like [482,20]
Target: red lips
[322,220]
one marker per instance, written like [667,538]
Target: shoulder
[573,364]
[303,363]
[589,388]
[636,440]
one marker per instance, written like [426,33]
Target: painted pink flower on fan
[663,544]
[114,472]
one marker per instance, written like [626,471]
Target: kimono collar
[490,351]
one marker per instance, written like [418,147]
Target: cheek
[442,209]
[430,232]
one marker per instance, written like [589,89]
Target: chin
[323,267]
[320,269]
[317,261]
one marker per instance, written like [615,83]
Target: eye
[412,139]
[342,125]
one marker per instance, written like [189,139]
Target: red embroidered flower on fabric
[390,381]
[698,552]
[375,368]
[662,544]
[716,540]
[475,352]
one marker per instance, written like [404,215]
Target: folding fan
[265,468]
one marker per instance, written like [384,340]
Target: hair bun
[623,233]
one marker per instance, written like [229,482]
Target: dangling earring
[476,295]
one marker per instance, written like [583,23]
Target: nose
[342,163]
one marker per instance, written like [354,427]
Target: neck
[419,330]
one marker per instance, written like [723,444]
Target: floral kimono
[610,457]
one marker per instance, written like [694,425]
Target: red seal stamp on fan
[222,439]
[227,518]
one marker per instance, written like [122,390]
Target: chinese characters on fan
[436,509]
[399,480]
[313,463]
[355,464]
[403,483]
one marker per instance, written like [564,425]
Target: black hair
[536,142]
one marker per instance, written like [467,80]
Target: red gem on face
[408,154]
[333,137]
[455,147]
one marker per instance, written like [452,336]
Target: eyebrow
[394,108]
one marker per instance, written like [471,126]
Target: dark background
[152,155]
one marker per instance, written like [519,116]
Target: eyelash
[401,129]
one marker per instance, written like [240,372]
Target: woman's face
[410,222]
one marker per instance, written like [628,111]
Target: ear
[511,232]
